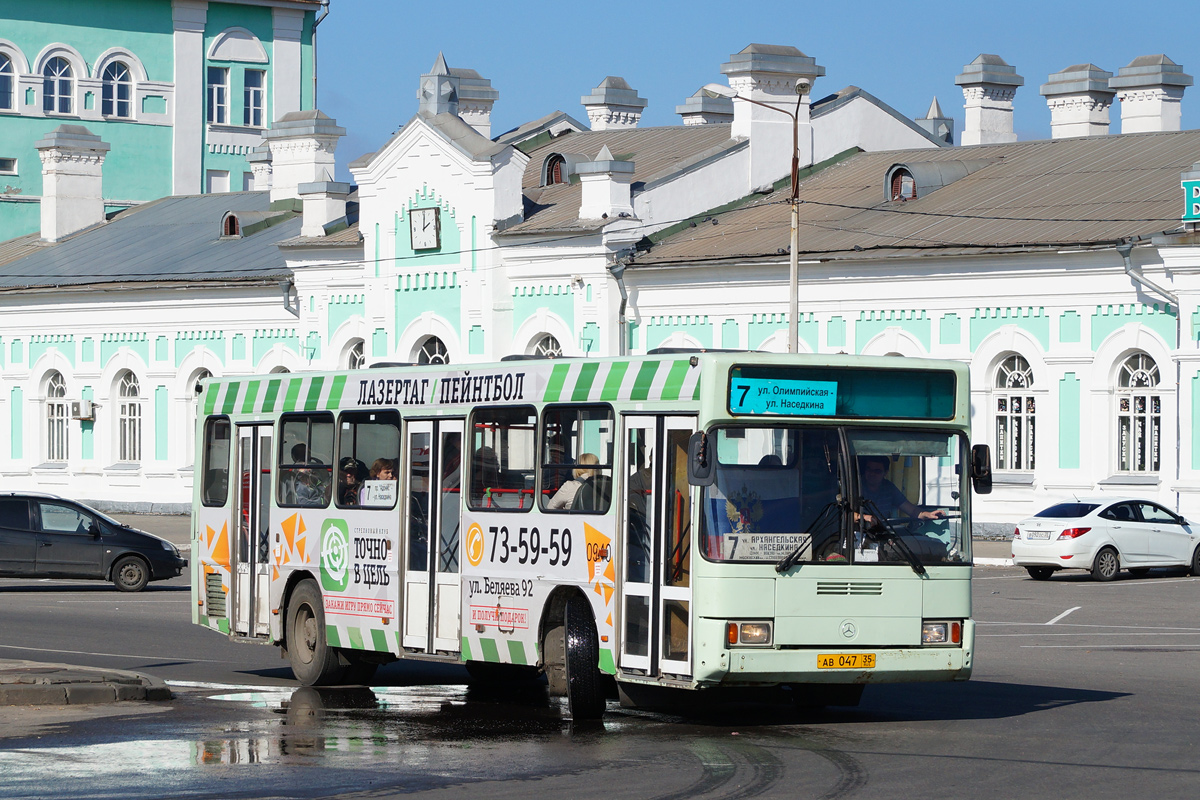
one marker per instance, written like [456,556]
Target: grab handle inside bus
[701,459]
[981,469]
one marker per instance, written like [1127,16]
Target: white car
[1105,535]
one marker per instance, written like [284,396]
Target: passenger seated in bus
[565,495]
[351,473]
[485,477]
[884,495]
[381,476]
[594,494]
[311,487]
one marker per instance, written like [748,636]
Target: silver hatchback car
[1104,535]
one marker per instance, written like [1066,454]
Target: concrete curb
[32,683]
[993,562]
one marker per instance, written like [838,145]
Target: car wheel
[1040,573]
[130,574]
[1196,562]
[1107,565]
[1139,572]
[314,662]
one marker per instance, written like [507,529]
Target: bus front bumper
[717,664]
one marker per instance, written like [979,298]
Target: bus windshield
[785,490]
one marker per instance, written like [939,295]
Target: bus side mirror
[981,469]
[700,460]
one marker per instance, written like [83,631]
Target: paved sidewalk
[32,683]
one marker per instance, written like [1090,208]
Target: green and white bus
[681,519]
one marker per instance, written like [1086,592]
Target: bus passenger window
[305,461]
[368,455]
[577,458]
[214,490]
[502,463]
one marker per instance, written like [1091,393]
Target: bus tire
[314,662]
[585,688]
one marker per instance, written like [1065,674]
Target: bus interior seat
[594,494]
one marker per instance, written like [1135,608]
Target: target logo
[335,555]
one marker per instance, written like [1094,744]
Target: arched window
[433,351]
[129,419]
[58,87]
[1139,415]
[556,169]
[117,95]
[355,359]
[231,226]
[548,347]
[56,418]
[903,186]
[280,370]
[1015,408]
[7,79]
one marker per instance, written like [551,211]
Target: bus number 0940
[529,545]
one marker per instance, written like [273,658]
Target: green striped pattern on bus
[576,381]
[595,381]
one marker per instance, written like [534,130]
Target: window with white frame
[58,87]
[433,351]
[355,358]
[1015,406]
[218,95]
[1139,415]
[252,103]
[116,99]
[7,82]
[129,419]
[547,347]
[57,414]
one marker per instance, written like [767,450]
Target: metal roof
[655,153]
[172,239]
[1047,194]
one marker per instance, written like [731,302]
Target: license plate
[846,661]
[1039,534]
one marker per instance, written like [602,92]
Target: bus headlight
[945,633]
[748,633]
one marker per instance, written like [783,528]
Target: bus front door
[252,546]
[432,581]
[656,592]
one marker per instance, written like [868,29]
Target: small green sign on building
[1190,181]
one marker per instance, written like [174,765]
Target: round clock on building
[425,228]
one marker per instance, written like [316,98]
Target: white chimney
[613,104]
[324,202]
[475,100]
[72,184]
[700,109]
[1150,89]
[988,86]
[606,186]
[1079,98]
[259,160]
[768,74]
[302,145]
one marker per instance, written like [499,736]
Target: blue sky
[543,56]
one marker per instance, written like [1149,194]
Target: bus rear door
[252,545]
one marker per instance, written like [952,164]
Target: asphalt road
[1081,690]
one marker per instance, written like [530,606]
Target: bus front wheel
[314,662]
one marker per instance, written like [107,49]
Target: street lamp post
[803,85]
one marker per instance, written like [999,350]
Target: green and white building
[180,90]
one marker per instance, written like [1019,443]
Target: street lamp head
[717,90]
[803,86]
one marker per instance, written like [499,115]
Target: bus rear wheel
[585,687]
[314,662]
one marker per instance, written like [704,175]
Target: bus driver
[884,495]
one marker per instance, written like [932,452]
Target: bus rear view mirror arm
[701,460]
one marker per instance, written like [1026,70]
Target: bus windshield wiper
[792,558]
[885,532]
